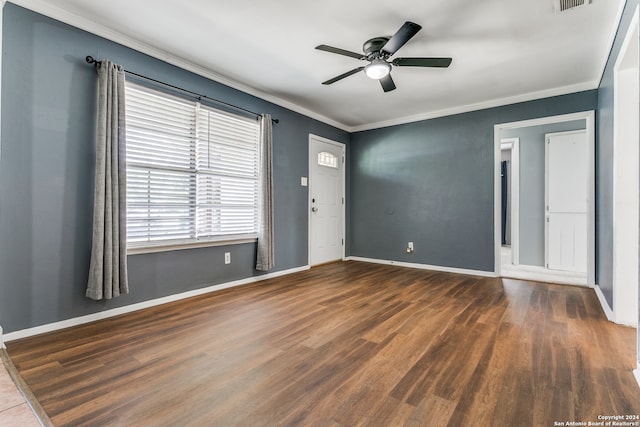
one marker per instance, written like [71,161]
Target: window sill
[176,246]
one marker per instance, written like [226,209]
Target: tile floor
[14,410]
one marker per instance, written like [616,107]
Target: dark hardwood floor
[344,344]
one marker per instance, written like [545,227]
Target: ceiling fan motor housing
[374,45]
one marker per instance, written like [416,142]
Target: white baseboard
[604,304]
[50,327]
[1,339]
[636,373]
[424,266]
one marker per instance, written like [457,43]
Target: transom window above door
[327,159]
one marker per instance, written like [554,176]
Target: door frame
[589,117]
[342,147]
[513,144]
[546,186]
[626,162]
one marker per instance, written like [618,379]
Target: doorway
[326,200]
[510,153]
[528,241]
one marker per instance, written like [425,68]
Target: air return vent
[564,5]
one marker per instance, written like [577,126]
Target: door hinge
[343,200]
[342,242]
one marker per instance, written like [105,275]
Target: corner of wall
[1,339]
[604,304]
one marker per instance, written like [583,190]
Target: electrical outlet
[227,257]
[410,245]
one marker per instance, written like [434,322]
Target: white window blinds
[192,170]
[227,174]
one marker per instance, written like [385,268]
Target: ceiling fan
[378,50]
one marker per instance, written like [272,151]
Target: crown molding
[500,102]
[62,15]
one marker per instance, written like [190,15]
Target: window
[192,171]
[327,159]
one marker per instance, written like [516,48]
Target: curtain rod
[91,60]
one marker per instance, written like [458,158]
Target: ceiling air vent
[564,5]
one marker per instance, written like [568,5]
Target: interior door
[566,197]
[326,201]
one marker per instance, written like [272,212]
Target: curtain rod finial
[90,59]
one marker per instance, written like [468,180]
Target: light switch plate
[304,181]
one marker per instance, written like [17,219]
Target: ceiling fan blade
[340,51]
[342,76]
[422,62]
[387,83]
[408,30]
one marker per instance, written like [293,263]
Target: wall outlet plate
[227,257]
[409,249]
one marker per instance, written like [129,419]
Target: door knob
[314,209]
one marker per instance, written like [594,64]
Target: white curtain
[108,269]
[265,257]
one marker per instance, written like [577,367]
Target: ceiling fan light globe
[377,69]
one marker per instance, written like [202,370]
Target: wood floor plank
[345,344]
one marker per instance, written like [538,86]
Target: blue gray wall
[532,183]
[604,159]
[431,182]
[46,177]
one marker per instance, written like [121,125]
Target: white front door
[326,200]
[566,197]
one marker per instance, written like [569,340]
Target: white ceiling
[503,50]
